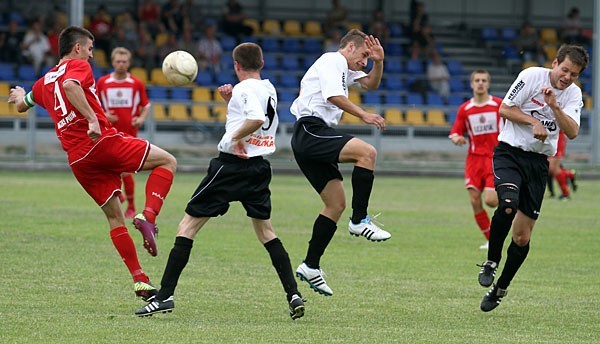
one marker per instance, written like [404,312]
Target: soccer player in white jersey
[540,102]
[239,173]
[318,148]
[478,117]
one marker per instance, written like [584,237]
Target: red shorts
[98,169]
[561,146]
[478,172]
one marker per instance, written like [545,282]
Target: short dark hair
[575,53]
[249,56]
[481,71]
[354,35]
[71,36]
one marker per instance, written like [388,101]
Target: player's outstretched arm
[17,96]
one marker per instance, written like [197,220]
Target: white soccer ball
[180,68]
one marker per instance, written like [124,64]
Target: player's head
[76,42]
[569,63]
[480,82]
[248,57]
[354,49]
[120,59]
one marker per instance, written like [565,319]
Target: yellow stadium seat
[10,110]
[219,112]
[550,50]
[4,89]
[217,97]
[354,97]
[159,113]
[254,24]
[415,117]
[436,117]
[100,58]
[178,112]
[549,35]
[350,119]
[271,27]
[160,39]
[588,102]
[354,25]
[157,77]
[528,64]
[393,117]
[140,73]
[313,28]
[292,27]
[201,94]
[200,112]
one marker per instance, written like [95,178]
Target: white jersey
[329,76]
[256,100]
[525,93]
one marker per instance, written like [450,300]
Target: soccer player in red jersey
[126,106]
[479,119]
[558,172]
[97,152]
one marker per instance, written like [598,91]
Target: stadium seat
[178,112]
[372,98]
[180,93]
[550,50]
[219,112]
[254,24]
[270,45]
[413,98]
[157,77]
[392,65]
[287,96]
[26,73]
[7,72]
[455,67]
[455,100]
[549,35]
[290,62]
[285,115]
[271,62]
[157,93]
[200,112]
[313,28]
[217,97]
[160,39]
[201,94]
[290,80]
[415,117]
[393,83]
[271,27]
[396,30]
[434,99]
[414,67]
[226,61]
[308,60]
[528,64]
[158,112]
[266,74]
[227,42]
[291,45]
[204,78]
[10,110]
[394,49]
[436,117]
[393,116]
[392,98]
[140,73]
[354,25]
[489,34]
[292,27]
[312,46]
[457,84]
[354,97]
[40,112]
[224,77]
[509,34]
[4,88]
[100,58]
[510,52]
[350,119]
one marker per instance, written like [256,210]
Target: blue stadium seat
[290,62]
[226,61]
[413,98]
[271,62]
[394,84]
[266,74]
[392,98]
[313,46]
[371,98]
[393,65]
[290,80]
[457,84]
[224,77]
[285,115]
[455,100]
[396,30]
[414,67]
[7,72]
[180,93]
[27,73]
[40,112]
[455,67]
[489,34]
[434,99]
[228,43]
[508,34]
[287,96]
[291,45]
[270,45]
[204,78]
[157,92]
[510,52]
[394,49]
[451,116]
[308,60]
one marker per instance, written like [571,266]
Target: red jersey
[124,98]
[481,122]
[71,127]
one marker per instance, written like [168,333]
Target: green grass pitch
[63,282]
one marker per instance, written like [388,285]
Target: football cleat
[143,290]
[368,229]
[314,278]
[149,232]
[156,306]
[493,298]
[487,273]
[296,307]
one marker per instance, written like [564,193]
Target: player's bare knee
[508,199]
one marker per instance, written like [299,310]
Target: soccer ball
[180,68]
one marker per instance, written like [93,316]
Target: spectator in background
[36,47]
[439,77]
[529,45]
[192,15]
[101,27]
[209,50]
[121,40]
[146,51]
[233,20]
[336,17]
[171,16]
[420,32]
[149,13]
[168,47]
[570,29]
[332,42]
[379,27]
[10,44]
[187,42]
[53,34]
[126,22]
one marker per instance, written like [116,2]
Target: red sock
[561,178]
[126,248]
[157,187]
[567,173]
[483,221]
[129,187]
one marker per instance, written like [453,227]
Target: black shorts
[230,179]
[317,148]
[527,170]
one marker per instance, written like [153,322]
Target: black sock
[178,258]
[323,231]
[362,184]
[499,228]
[281,262]
[515,256]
